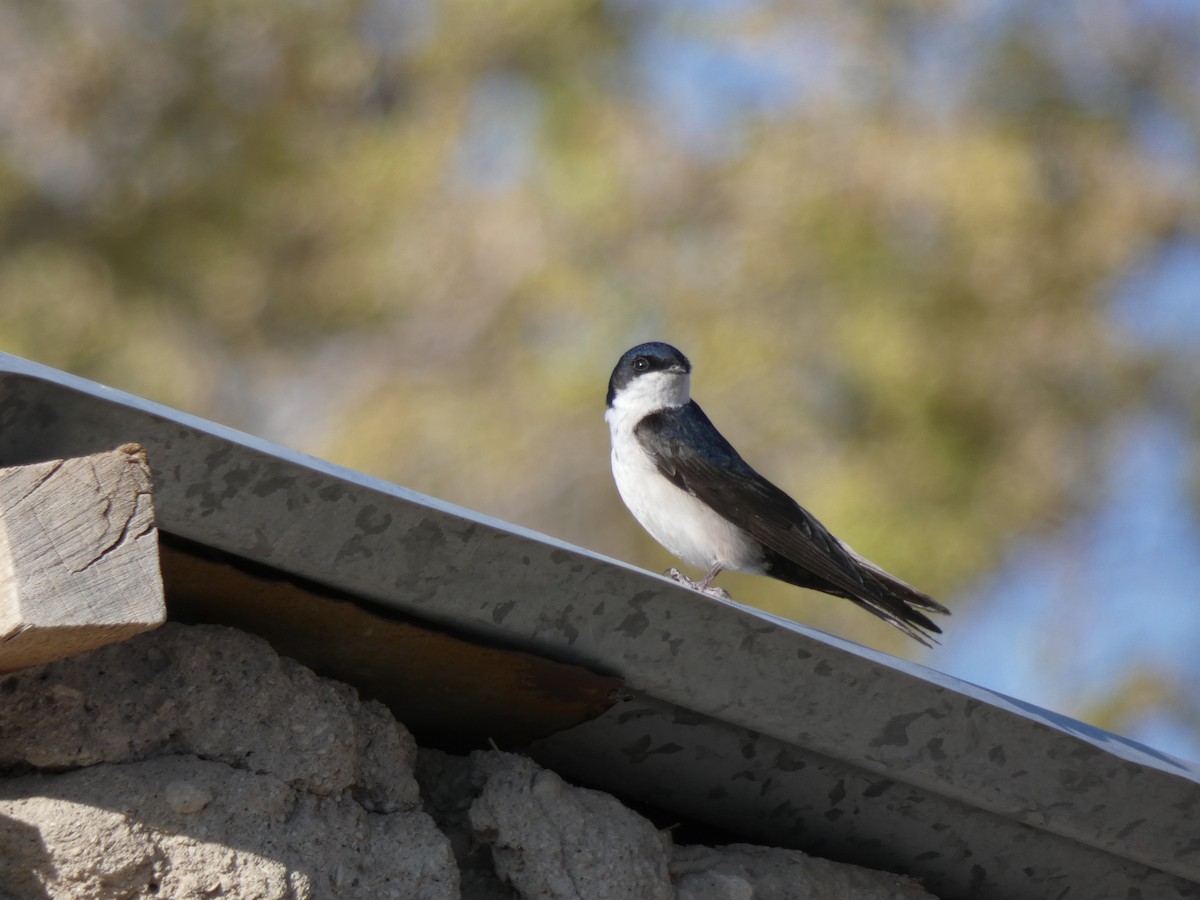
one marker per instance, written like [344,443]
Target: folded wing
[689,450]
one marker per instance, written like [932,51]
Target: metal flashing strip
[692,659]
[767,791]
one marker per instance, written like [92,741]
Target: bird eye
[641,364]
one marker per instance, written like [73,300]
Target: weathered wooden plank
[78,556]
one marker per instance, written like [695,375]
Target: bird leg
[704,585]
[712,573]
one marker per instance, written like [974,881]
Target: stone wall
[194,762]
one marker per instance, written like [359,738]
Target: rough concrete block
[195,762]
[212,692]
[187,828]
[552,841]
[749,872]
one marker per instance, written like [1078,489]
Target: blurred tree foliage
[414,237]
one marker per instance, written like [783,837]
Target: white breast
[674,518]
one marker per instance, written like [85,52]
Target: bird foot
[710,589]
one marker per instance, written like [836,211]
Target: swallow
[695,495]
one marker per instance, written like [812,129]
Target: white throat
[646,394]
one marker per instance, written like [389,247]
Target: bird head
[650,377]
